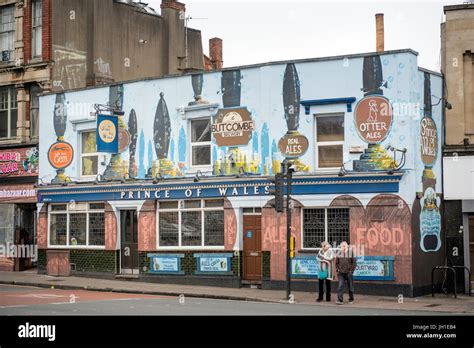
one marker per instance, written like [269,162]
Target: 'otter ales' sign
[293,145]
[428,140]
[373,119]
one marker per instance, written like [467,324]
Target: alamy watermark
[10,250]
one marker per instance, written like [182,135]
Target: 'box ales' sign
[293,145]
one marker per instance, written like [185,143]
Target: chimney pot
[215,53]
[379,31]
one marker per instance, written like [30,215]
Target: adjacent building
[457,43]
[186,195]
[55,45]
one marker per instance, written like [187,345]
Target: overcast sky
[265,30]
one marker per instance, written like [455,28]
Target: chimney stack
[215,53]
[379,29]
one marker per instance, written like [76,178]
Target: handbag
[323,272]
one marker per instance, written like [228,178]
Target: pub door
[252,265]
[129,242]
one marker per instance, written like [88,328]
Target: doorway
[252,262]
[129,242]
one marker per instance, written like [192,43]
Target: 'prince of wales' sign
[368,268]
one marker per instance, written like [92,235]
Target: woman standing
[326,270]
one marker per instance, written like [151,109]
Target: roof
[465,6]
[258,65]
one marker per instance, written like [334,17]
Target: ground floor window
[79,224]
[325,224]
[193,223]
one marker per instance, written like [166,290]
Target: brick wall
[27,32]
[94,260]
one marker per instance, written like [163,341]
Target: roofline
[241,67]
[430,71]
[458,7]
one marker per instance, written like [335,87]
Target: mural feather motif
[372,76]
[291,97]
[162,129]
[132,129]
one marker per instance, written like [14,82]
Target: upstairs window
[201,142]
[36,28]
[8,112]
[329,141]
[7,33]
[89,155]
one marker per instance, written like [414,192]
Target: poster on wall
[213,263]
[107,134]
[368,268]
[19,162]
[165,263]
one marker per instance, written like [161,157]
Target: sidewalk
[440,303]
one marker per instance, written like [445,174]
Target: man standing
[345,267]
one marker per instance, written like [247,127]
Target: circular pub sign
[373,119]
[60,155]
[107,131]
[428,140]
[293,145]
[233,127]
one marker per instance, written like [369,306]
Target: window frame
[35,29]
[326,232]
[317,143]
[87,211]
[8,33]
[203,167]
[9,110]
[89,154]
[181,209]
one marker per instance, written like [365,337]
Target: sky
[265,31]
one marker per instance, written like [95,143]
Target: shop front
[18,175]
[160,188]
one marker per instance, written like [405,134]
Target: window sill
[219,248]
[76,247]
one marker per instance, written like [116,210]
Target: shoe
[319,300]
[328,300]
[339,302]
[351,301]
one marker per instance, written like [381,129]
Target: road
[23,300]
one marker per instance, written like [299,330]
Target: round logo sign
[233,127]
[107,131]
[293,145]
[123,140]
[428,140]
[60,155]
[373,119]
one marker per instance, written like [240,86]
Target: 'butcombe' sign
[233,127]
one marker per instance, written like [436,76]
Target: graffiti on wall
[69,68]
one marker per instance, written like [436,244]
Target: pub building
[169,180]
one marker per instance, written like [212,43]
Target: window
[80,224]
[329,141]
[8,112]
[36,27]
[201,142]
[89,155]
[7,33]
[325,224]
[193,223]
[35,90]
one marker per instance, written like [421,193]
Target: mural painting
[383,228]
[147,227]
[430,217]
